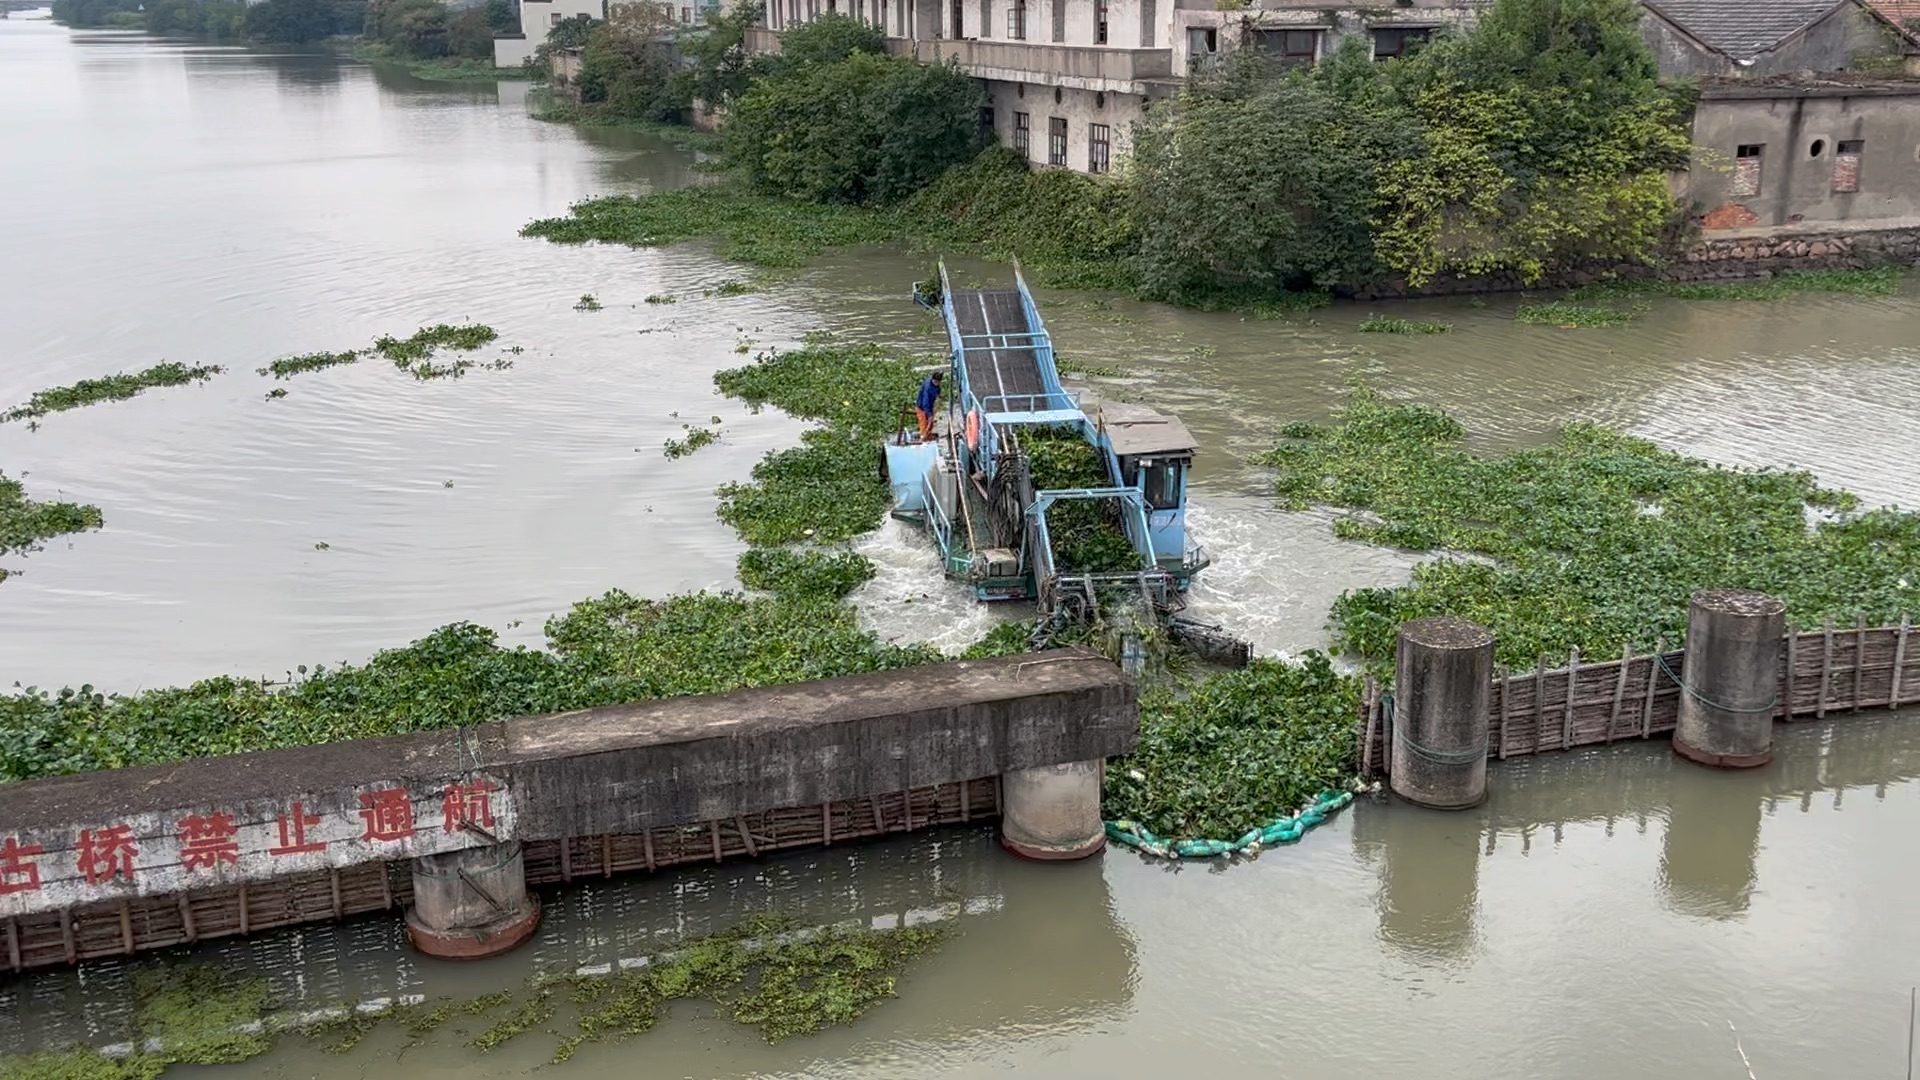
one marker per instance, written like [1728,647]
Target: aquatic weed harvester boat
[1029,496]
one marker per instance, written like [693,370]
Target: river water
[1606,914]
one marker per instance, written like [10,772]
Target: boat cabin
[1152,453]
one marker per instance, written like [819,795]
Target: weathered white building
[537,17]
[1066,80]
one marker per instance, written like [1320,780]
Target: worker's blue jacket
[929,393]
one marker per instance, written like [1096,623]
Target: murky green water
[1607,914]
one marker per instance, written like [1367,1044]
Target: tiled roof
[1904,14]
[1743,29]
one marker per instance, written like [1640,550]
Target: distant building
[537,17]
[1773,37]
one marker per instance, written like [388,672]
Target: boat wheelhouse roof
[1135,430]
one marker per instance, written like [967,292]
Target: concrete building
[1066,80]
[1757,38]
[536,18]
[1805,152]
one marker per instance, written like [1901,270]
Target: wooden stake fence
[1588,704]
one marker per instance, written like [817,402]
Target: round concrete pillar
[1441,696]
[1053,812]
[472,903]
[1730,678]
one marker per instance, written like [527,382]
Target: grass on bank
[1592,541]
[598,116]
[1884,281]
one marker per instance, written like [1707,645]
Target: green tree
[470,35]
[864,129]
[630,65]
[720,64]
[502,16]
[830,38]
[1253,183]
[1546,139]
[290,22]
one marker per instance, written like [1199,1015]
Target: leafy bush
[867,128]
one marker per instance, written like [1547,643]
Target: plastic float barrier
[1286,830]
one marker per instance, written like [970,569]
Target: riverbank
[440,69]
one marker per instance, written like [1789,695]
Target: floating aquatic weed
[424,342]
[288,366]
[587,302]
[1564,552]
[109,388]
[662,298]
[1563,314]
[1387,324]
[801,574]
[27,524]
[732,287]
[696,438]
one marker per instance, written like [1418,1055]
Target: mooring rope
[1703,699]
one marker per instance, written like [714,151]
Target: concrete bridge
[454,825]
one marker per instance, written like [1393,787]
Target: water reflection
[1429,867]
[1712,840]
[1039,949]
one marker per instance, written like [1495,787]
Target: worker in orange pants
[929,397]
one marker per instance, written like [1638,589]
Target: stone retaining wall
[1709,258]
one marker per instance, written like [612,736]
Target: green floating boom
[1284,831]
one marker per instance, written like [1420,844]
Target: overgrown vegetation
[194,1012]
[1879,282]
[27,524]
[1593,541]
[413,31]
[110,388]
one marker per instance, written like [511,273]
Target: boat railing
[1046,401]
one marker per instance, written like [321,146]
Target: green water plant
[697,437]
[425,341]
[587,302]
[1387,324]
[27,524]
[1086,534]
[1567,315]
[288,366]
[1591,541]
[109,388]
[804,574]
[1232,752]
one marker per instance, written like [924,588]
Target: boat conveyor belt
[999,372]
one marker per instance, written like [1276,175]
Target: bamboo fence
[122,928]
[1585,703]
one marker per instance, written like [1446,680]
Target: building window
[1846,165]
[1099,148]
[553,20]
[1059,9]
[1203,46]
[686,14]
[1017,21]
[1399,41]
[1294,48]
[1056,140]
[959,21]
[1023,134]
[1099,22]
[1746,169]
[986,118]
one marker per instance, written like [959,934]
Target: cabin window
[1160,484]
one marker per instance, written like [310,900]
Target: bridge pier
[1442,696]
[471,903]
[1730,678]
[1053,812]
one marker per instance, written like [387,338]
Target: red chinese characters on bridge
[207,840]
[293,833]
[18,870]
[388,814]
[467,804]
[104,854]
